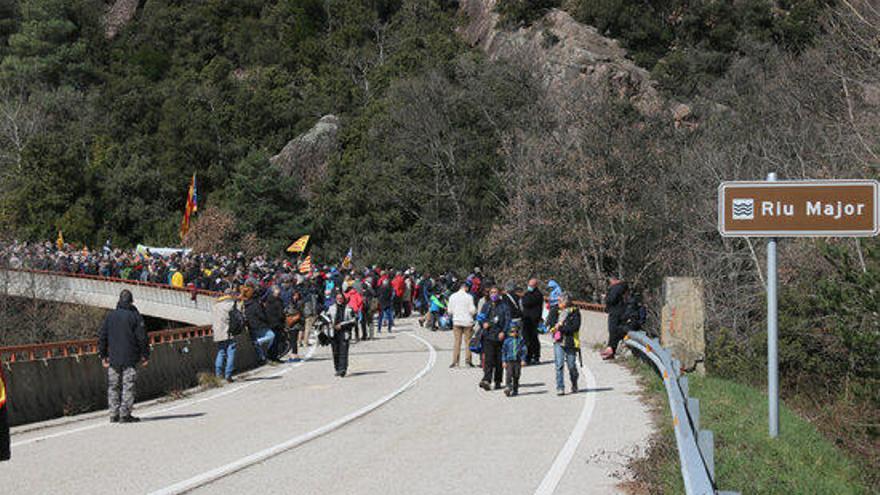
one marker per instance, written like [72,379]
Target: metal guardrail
[696,447]
[52,350]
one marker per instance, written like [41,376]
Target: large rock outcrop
[306,156]
[565,54]
[118,15]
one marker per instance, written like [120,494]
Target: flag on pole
[306,266]
[192,206]
[346,262]
[300,245]
[60,241]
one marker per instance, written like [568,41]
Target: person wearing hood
[261,333]
[122,344]
[553,302]
[224,363]
[274,309]
[532,305]
[495,320]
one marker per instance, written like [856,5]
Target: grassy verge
[800,461]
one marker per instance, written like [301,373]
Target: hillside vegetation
[448,157]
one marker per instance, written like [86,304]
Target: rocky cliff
[564,53]
[307,155]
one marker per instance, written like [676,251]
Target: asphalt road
[400,422]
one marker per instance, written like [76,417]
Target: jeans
[225,356]
[386,314]
[262,340]
[563,357]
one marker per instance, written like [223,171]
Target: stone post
[683,321]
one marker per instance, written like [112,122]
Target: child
[513,356]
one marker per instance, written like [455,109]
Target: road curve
[306,431]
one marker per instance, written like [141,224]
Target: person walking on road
[553,303]
[462,309]
[261,334]
[385,295]
[566,344]
[532,306]
[224,363]
[342,320]
[122,344]
[496,321]
[295,321]
[513,355]
[615,306]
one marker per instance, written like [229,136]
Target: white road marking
[563,459]
[175,407]
[257,457]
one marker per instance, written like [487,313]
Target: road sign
[808,208]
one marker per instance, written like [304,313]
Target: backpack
[237,322]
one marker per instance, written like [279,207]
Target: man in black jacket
[274,310]
[386,305]
[122,344]
[262,335]
[495,320]
[532,306]
[615,306]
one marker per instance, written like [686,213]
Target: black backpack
[237,322]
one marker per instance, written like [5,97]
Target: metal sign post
[772,334]
[806,208]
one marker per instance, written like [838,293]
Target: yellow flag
[299,246]
[60,241]
[306,266]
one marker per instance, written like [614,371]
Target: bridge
[401,422]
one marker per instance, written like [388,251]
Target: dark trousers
[339,345]
[552,316]
[5,452]
[616,332]
[533,346]
[363,323]
[492,361]
[511,375]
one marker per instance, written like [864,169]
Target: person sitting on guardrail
[261,334]
[566,344]
[615,306]
[223,334]
[122,343]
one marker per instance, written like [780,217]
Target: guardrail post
[693,406]
[706,441]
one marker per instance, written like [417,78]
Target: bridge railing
[51,350]
[696,447]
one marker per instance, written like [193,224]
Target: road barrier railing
[52,350]
[695,446]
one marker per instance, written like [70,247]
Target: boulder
[118,15]
[565,54]
[306,156]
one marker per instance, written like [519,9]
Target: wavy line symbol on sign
[744,209]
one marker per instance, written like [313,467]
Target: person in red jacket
[355,301]
[398,283]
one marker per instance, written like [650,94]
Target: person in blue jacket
[553,301]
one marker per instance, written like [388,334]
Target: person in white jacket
[462,309]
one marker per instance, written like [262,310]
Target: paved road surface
[401,422]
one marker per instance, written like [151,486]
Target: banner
[346,262]
[60,241]
[160,251]
[192,206]
[300,245]
[306,266]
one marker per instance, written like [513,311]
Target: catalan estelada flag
[59,243]
[346,262]
[192,206]
[306,266]
[299,246]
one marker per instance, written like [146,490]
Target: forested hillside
[506,134]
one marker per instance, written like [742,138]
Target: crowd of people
[280,309]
